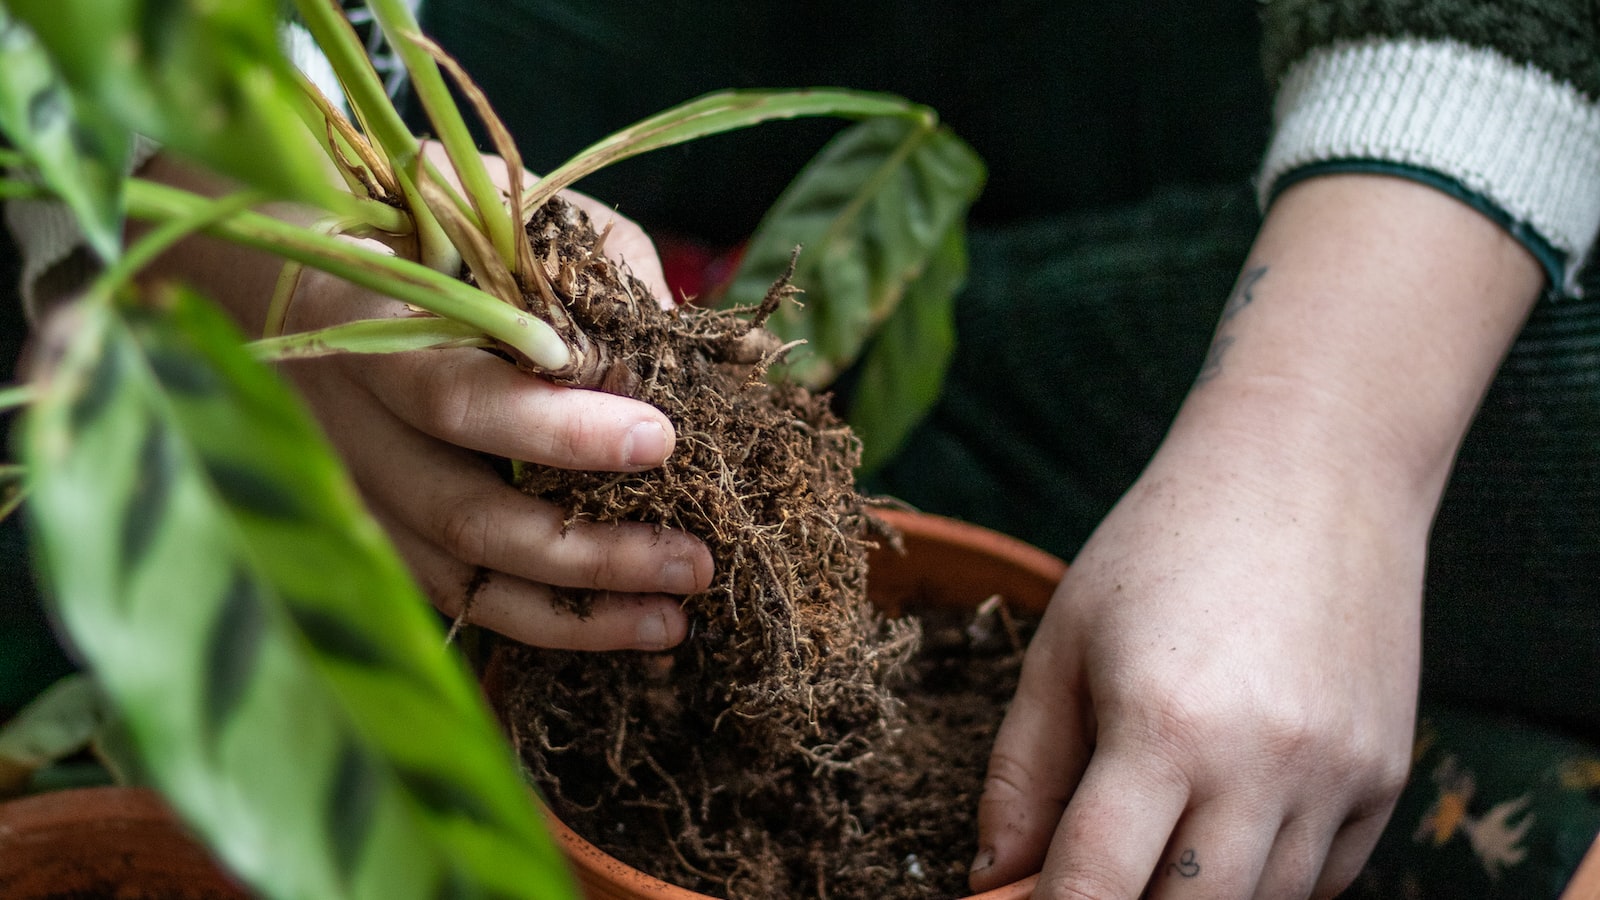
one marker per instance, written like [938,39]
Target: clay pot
[946,563]
[110,842]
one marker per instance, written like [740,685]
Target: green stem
[399,25]
[393,276]
[370,102]
[369,336]
[378,117]
[163,237]
[16,395]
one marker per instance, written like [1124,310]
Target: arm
[411,428]
[1220,699]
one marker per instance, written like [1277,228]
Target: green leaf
[281,678]
[870,212]
[58,723]
[720,112]
[207,79]
[904,367]
[80,159]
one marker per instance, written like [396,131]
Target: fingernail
[677,576]
[645,444]
[983,860]
[652,633]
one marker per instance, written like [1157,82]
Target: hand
[1219,701]
[411,428]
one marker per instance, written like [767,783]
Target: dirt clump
[768,755]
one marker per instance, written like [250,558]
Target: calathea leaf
[207,79]
[279,676]
[870,212]
[78,158]
[903,368]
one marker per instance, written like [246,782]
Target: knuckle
[466,531]
[1086,881]
[446,402]
[575,439]
[1007,774]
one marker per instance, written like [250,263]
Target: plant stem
[16,395]
[168,233]
[370,336]
[393,276]
[400,26]
[379,119]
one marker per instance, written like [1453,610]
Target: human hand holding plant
[1219,701]
[207,551]
[413,428]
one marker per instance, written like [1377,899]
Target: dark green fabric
[1560,36]
[1495,810]
[1077,338]
[1073,105]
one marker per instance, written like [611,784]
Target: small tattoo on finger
[1187,866]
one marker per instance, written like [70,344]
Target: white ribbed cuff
[47,233]
[1507,132]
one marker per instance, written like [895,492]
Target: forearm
[1370,318]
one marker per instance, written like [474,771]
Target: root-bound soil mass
[797,744]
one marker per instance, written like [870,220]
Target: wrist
[1358,343]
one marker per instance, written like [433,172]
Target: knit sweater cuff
[1508,135]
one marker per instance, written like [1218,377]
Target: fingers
[1115,830]
[465,510]
[523,610]
[1220,850]
[1349,851]
[476,400]
[1038,756]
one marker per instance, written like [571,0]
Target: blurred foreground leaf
[215,568]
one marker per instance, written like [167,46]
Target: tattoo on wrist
[1243,295]
[1187,866]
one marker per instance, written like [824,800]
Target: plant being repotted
[183,501]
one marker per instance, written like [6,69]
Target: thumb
[1039,755]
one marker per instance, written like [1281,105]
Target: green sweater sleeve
[1492,101]
[1562,37]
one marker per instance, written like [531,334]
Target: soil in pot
[763,750]
[897,822]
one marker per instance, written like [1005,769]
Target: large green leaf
[80,159]
[870,213]
[281,677]
[904,367]
[206,78]
[720,112]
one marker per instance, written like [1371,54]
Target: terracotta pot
[946,563]
[112,842]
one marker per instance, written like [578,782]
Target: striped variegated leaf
[78,158]
[869,211]
[207,79]
[903,368]
[279,675]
